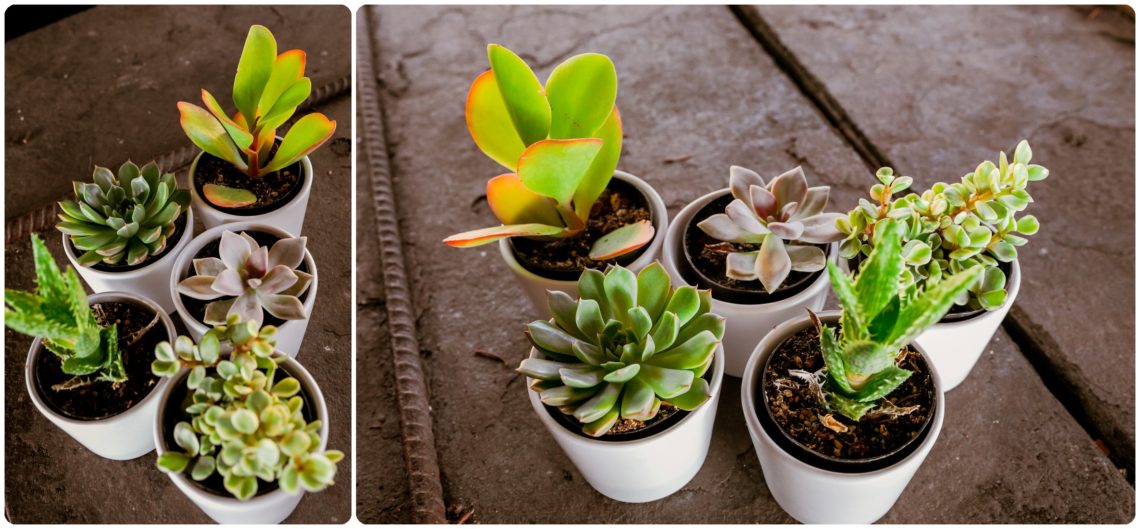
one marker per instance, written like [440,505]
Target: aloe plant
[561,143]
[628,345]
[880,318]
[267,90]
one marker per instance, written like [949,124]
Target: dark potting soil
[197,307]
[272,190]
[956,312]
[101,400]
[171,242]
[619,204]
[798,413]
[704,263]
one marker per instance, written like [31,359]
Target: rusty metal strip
[420,462]
[44,217]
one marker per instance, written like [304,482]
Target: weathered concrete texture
[51,478]
[689,111]
[938,90]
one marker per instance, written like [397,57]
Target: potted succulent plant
[241,436]
[563,207]
[842,418]
[124,232]
[627,380]
[245,172]
[760,248]
[87,367]
[258,272]
[949,228]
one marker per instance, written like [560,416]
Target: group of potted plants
[239,425]
[627,362]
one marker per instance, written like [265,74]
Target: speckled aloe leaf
[522,94]
[878,278]
[623,240]
[513,203]
[205,131]
[486,113]
[228,197]
[931,305]
[602,168]
[308,133]
[581,91]
[554,168]
[254,70]
[488,235]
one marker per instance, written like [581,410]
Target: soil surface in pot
[171,242]
[197,307]
[140,330]
[956,312]
[704,264]
[797,411]
[273,190]
[619,204]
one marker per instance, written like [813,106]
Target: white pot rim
[575,438]
[185,484]
[672,254]
[186,258]
[748,402]
[170,255]
[657,210]
[1013,286]
[306,188]
[155,392]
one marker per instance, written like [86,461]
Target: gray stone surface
[1010,452]
[50,477]
[938,90]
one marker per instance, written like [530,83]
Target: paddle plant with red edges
[561,141]
[267,90]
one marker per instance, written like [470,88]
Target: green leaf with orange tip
[486,115]
[602,169]
[513,203]
[254,69]
[205,131]
[242,138]
[228,197]
[303,137]
[622,240]
[522,94]
[554,168]
[286,104]
[288,68]
[489,235]
[581,92]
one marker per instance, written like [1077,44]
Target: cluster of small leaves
[879,319]
[785,217]
[123,220]
[267,90]
[58,313]
[561,143]
[628,345]
[248,278]
[246,424]
[952,227]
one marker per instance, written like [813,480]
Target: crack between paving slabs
[1065,384]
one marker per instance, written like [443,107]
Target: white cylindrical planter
[745,325]
[289,334]
[289,217]
[645,469]
[814,495]
[954,347]
[268,508]
[123,436]
[148,281]
[536,286]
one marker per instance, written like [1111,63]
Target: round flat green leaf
[522,94]
[581,91]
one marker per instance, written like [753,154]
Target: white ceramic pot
[289,217]
[814,495]
[123,436]
[536,286]
[268,508]
[289,334]
[645,469]
[954,347]
[745,325]
[148,281]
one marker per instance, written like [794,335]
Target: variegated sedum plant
[267,90]
[879,320]
[628,345]
[952,227]
[247,277]
[246,421]
[785,217]
[561,141]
